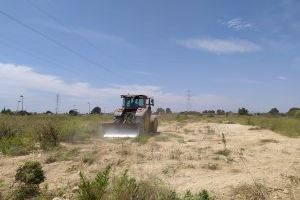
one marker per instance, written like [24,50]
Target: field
[231,157]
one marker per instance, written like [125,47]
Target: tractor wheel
[154,124]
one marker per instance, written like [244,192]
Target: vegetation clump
[127,188]
[294,112]
[47,135]
[256,191]
[28,176]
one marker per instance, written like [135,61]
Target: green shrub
[30,173]
[28,177]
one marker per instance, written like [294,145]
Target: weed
[94,189]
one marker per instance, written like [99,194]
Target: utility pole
[89,107]
[188,104]
[57,103]
[22,99]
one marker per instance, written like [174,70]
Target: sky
[229,54]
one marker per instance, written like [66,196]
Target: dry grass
[175,154]
[256,191]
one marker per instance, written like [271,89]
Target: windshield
[133,102]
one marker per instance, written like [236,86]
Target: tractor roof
[134,95]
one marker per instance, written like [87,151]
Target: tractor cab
[136,101]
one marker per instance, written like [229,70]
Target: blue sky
[228,53]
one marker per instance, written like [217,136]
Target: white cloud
[238,24]
[38,87]
[283,78]
[220,46]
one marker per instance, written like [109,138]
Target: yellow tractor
[133,119]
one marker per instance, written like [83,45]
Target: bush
[28,177]
[30,173]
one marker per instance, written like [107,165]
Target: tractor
[133,118]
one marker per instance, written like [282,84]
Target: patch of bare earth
[218,157]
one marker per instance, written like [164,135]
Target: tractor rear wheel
[154,124]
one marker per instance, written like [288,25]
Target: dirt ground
[194,156]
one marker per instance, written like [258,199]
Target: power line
[38,56]
[56,20]
[45,36]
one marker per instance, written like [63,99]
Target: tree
[294,112]
[160,111]
[48,112]
[243,111]
[168,110]
[220,112]
[73,112]
[96,110]
[6,111]
[274,111]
